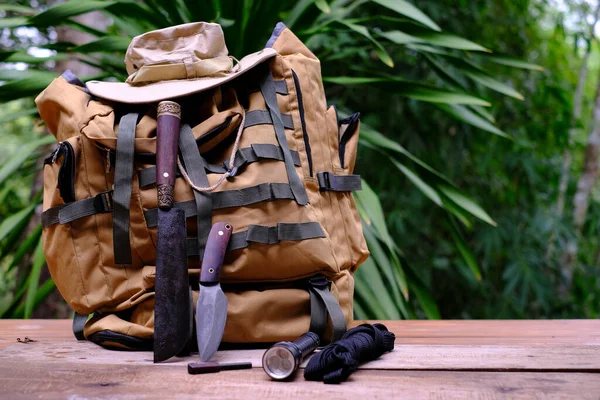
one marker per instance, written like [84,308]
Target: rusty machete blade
[172,308]
[211,308]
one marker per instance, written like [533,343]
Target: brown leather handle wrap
[167,139]
[214,253]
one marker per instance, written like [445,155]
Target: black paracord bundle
[336,362]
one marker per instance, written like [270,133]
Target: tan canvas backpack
[297,234]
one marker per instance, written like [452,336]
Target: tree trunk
[585,184]
[567,157]
[589,175]
[576,121]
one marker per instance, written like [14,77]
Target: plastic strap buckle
[103,202]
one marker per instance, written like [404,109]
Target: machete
[172,308]
[211,308]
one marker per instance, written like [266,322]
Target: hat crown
[187,43]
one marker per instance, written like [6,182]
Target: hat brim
[125,93]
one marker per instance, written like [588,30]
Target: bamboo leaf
[105,44]
[457,211]
[13,22]
[484,113]
[44,290]
[373,210]
[378,140]
[5,308]
[514,62]
[34,278]
[432,38]
[428,49]
[359,312]
[405,8]
[28,244]
[463,114]
[369,275]
[19,114]
[401,38]
[365,296]
[427,190]
[29,59]
[15,220]
[13,74]
[451,41]
[296,12]
[412,90]
[19,88]
[386,269]
[443,97]
[475,73]
[78,26]
[18,9]
[17,159]
[323,6]
[466,203]
[465,252]
[494,84]
[123,9]
[444,73]
[426,300]
[380,50]
[56,14]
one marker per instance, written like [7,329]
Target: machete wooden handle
[214,253]
[168,121]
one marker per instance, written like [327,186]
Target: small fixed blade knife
[211,308]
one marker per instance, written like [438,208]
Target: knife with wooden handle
[173,325]
[211,308]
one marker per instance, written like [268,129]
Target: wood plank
[473,332]
[57,366]
[583,358]
[19,381]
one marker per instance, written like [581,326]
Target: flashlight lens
[279,362]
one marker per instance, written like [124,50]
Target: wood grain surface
[432,359]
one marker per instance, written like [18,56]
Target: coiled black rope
[337,361]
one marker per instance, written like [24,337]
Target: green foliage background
[462,137]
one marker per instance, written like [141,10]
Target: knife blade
[172,304]
[211,307]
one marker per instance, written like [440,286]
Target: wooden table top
[432,359]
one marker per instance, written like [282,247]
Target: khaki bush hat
[174,62]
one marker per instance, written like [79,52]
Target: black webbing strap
[338,183]
[66,171]
[260,151]
[122,191]
[246,155]
[79,321]
[318,314]
[267,87]
[266,235]
[195,166]
[280,87]
[230,198]
[319,291]
[263,117]
[65,213]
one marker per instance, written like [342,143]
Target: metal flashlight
[281,360]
